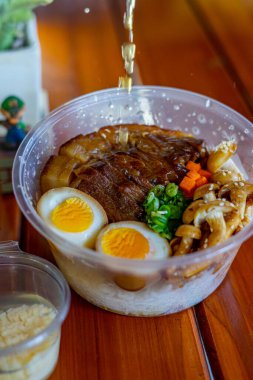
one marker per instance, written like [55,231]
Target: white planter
[20,75]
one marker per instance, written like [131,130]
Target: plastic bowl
[132,287]
[27,280]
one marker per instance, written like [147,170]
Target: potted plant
[20,62]
[20,72]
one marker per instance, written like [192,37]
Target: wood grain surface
[193,44]
[229,25]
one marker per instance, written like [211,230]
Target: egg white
[52,198]
[159,248]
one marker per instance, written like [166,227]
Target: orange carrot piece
[193,175]
[205,173]
[193,166]
[201,181]
[187,184]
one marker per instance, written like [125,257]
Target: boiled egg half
[72,214]
[132,240]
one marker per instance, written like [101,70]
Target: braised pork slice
[117,165]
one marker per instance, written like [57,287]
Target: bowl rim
[19,258]
[233,242]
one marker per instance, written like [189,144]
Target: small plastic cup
[27,280]
[132,287]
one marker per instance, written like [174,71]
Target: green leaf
[158,190]
[171,189]
[164,207]
[12,13]
[6,38]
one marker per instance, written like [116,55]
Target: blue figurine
[13,109]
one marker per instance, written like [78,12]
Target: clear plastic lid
[166,107]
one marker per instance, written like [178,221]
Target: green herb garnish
[164,207]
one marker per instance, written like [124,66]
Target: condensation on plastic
[161,286]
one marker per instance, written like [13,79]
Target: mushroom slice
[240,193]
[220,155]
[205,232]
[232,219]
[218,228]
[195,269]
[174,244]
[248,215]
[188,233]
[239,196]
[224,176]
[225,189]
[213,213]
[189,212]
[207,192]
[219,204]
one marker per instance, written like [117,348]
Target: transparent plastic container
[132,287]
[28,280]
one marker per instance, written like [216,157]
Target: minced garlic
[18,324]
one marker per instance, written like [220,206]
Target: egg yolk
[72,215]
[126,243]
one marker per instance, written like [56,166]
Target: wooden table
[199,45]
